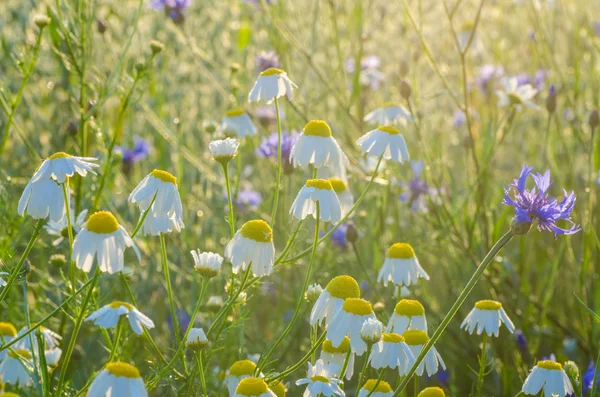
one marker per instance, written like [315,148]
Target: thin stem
[482,365]
[115,345]
[300,363]
[278,171]
[31,344]
[230,215]
[165,263]
[416,386]
[381,373]
[345,366]
[201,371]
[67,200]
[229,303]
[364,368]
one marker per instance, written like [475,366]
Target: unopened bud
[210,126]
[519,228]
[58,260]
[551,100]
[594,119]
[378,307]
[140,67]
[101,26]
[313,292]
[403,69]
[405,90]
[156,46]
[371,331]
[235,67]
[352,234]
[41,21]
[571,369]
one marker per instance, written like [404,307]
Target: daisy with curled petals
[237,122]
[317,191]
[343,193]
[109,316]
[389,113]
[158,192]
[223,150]
[207,264]
[16,367]
[516,95]
[42,199]
[383,389]
[432,392]
[271,84]
[7,334]
[401,266]
[252,244]
[61,166]
[550,377]
[238,371]
[320,381]
[60,228]
[118,379]
[433,360]
[392,352]
[51,339]
[103,238]
[253,387]
[384,141]
[408,314]
[348,322]
[487,315]
[332,299]
[334,357]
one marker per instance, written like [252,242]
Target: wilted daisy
[386,141]
[237,122]
[383,389]
[401,266]
[223,150]
[487,315]
[348,322]
[7,334]
[108,317]
[332,298]
[166,213]
[60,229]
[320,381]
[334,357]
[104,238]
[43,198]
[252,244]
[432,392]
[239,370]
[317,191]
[118,379]
[16,368]
[207,264]
[196,339]
[389,113]
[61,166]
[51,338]
[516,95]
[408,314]
[253,387]
[433,361]
[271,84]
[343,193]
[392,352]
[548,376]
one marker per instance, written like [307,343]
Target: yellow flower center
[9,394]
[401,251]
[343,287]
[393,338]
[389,129]
[123,370]
[17,353]
[549,364]
[272,71]
[102,222]
[322,184]
[257,230]
[317,128]
[409,308]
[382,387]
[432,392]
[59,155]
[164,176]
[117,304]
[488,305]
[319,378]
[339,186]
[7,329]
[252,387]
[414,337]
[357,306]
[467,26]
[514,98]
[278,389]
[391,104]
[242,367]
[235,112]
[342,348]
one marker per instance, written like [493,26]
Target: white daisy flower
[239,370]
[53,356]
[332,299]
[108,317]
[343,193]
[318,147]
[392,352]
[103,238]
[334,357]
[16,368]
[196,339]
[320,381]
[433,360]
[43,198]
[317,191]
[313,292]
[60,228]
[207,264]
[3,281]
[51,339]
[408,314]
[349,322]
[252,244]
[166,213]
[548,376]
[432,392]
[401,266]
[118,379]
[371,331]
[7,334]
[516,95]
[61,166]
[389,113]
[386,141]
[253,387]
[383,389]
[223,150]
[271,84]
[214,303]
[487,315]
[237,122]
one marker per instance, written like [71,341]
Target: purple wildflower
[370,75]
[247,199]
[587,379]
[174,9]
[459,119]
[416,190]
[338,237]
[552,90]
[540,79]
[486,74]
[551,358]
[140,150]
[523,79]
[596,26]
[268,147]
[266,60]
[182,318]
[521,340]
[267,115]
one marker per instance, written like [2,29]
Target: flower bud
[58,260]
[41,21]
[371,331]
[378,307]
[594,119]
[207,264]
[519,228]
[139,67]
[234,68]
[313,292]
[214,303]
[571,369]
[352,234]
[224,150]
[210,126]
[405,90]
[551,100]
[196,339]
[101,25]
[156,46]
[403,69]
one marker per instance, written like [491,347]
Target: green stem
[67,200]
[31,344]
[165,263]
[201,371]
[230,216]
[381,373]
[222,312]
[300,363]
[364,368]
[278,171]
[115,345]
[482,365]
[345,366]
[143,217]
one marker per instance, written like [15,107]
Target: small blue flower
[521,340]
[486,74]
[370,75]
[417,190]
[338,237]
[183,319]
[535,204]
[268,147]
[174,9]
[598,178]
[140,150]
[587,379]
[266,60]
[247,199]
[459,118]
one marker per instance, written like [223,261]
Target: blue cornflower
[182,318]
[486,74]
[268,147]
[174,9]
[247,199]
[417,190]
[535,205]
[587,379]
[521,340]
[267,60]
[459,118]
[140,150]
[338,237]
[370,74]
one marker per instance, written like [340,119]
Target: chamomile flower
[334,357]
[343,193]
[548,376]
[207,264]
[389,113]
[516,95]
[103,238]
[348,322]
[371,331]
[53,356]
[51,339]
[16,368]
[408,314]
[60,228]
[252,244]
[108,317]
[432,392]
[433,360]
[214,303]
[224,150]
[166,212]
[332,299]
[239,370]
[320,381]
[401,266]
[271,84]
[61,166]
[7,334]
[392,352]
[313,192]
[118,379]
[253,387]
[42,199]
[383,389]
[196,339]
[487,315]
[313,292]
[237,122]
[384,140]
